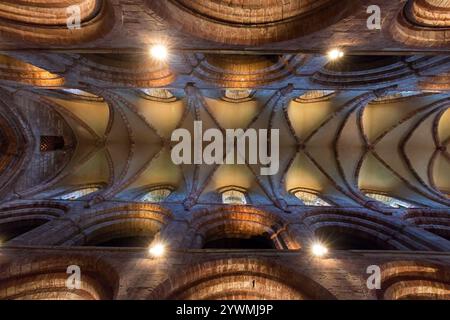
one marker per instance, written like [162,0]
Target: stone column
[174,234]
[300,235]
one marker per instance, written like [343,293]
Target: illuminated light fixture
[319,250]
[159,52]
[157,250]
[335,54]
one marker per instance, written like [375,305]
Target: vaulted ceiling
[333,142]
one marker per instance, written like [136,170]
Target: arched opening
[14,70]
[240,22]
[428,13]
[126,233]
[77,194]
[124,242]
[56,21]
[316,96]
[237,95]
[238,227]
[11,230]
[49,279]
[361,63]
[346,239]
[234,196]
[156,195]
[18,220]
[239,279]
[389,201]
[309,198]
[130,226]
[130,70]
[256,242]
[423,22]
[409,280]
[239,71]
[436,221]
[158,94]
[11,143]
[442,231]
[362,71]
[376,231]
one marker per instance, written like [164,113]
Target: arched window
[74,195]
[156,195]
[397,96]
[237,95]
[157,94]
[78,92]
[389,201]
[233,196]
[309,198]
[341,238]
[316,96]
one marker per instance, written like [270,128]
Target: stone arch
[16,146]
[366,225]
[130,70]
[45,21]
[237,279]
[433,220]
[414,280]
[42,278]
[18,219]
[87,191]
[244,71]
[271,20]
[238,222]
[15,71]
[134,220]
[363,71]
[423,22]
[10,144]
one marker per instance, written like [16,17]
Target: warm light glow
[335,54]
[319,250]
[159,52]
[157,250]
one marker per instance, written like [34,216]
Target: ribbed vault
[123,145]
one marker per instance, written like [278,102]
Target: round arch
[240,278]
[238,222]
[414,280]
[47,280]
[134,220]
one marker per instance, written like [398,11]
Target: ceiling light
[335,54]
[159,52]
[319,250]
[157,250]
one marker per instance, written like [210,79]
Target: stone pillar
[174,234]
[300,235]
